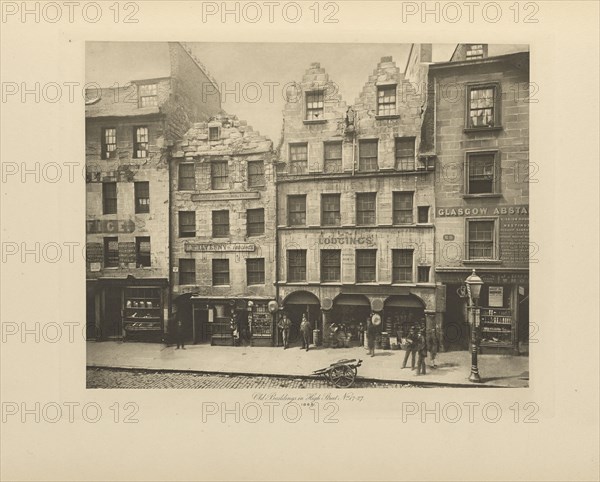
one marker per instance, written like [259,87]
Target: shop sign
[95,267]
[522,210]
[113,226]
[348,239]
[496,296]
[225,196]
[218,247]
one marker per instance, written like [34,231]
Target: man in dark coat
[421,351]
[284,325]
[410,348]
[179,328]
[305,329]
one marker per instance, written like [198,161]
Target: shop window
[256,174]
[111,252]
[219,175]
[482,169]
[332,157]
[255,222]
[142,196]
[402,265]
[142,252]
[330,265]
[403,207]
[109,198]
[255,271]
[366,208]
[298,159]
[315,105]
[297,210]
[481,239]
[214,133]
[296,265]
[423,214]
[109,142]
[482,106]
[423,274]
[330,210]
[220,224]
[187,271]
[187,224]
[405,153]
[366,265]
[220,272]
[148,95]
[187,177]
[140,142]
[367,155]
[386,100]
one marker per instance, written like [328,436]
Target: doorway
[113,321]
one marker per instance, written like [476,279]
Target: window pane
[481,173]
[366,208]
[405,153]
[220,221]
[142,196]
[187,224]
[481,240]
[109,198]
[423,274]
[330,265]
[296,264]
[333,157]
[423,213]
[403,207]
[255,222]
[142,251]
[367,155]
[481,107]
[330,210]
[296,210]
[366,261]
[187,177]
[255,271]
[140,142]
[314,105]
[402,263]
[187,271]
[220,272]
[219,175]
[298,159]
[256,173]
[386,100]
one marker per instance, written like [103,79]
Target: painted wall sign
[348,239]
[448,237]
[218,247]
[225,196]
[94,252]
[522,210]
[109,226]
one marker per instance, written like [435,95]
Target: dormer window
[214,133]
[148,95]
[315,105]
[386,100]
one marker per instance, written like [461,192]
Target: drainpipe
[275,339]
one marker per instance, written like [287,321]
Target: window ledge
[407,284]
[482,195]
[384,117]
[368,283]
[316,121]
[331,283]
[467,130]
[297,283]
[481,261]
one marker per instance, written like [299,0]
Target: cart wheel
[342,376]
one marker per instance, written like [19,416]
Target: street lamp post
[474,284]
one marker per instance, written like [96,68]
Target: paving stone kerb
[453,367]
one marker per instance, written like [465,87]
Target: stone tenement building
[129,131]
[355,202]
[223,231]
[482,193]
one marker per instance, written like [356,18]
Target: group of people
[285,325]
[416,345]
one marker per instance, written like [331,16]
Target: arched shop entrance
[400,313]
[294,306]
[349,311]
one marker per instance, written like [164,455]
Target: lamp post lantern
[474,284]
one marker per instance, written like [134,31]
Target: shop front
[349,317]
[225,321]
[401,313]
[295,305]
[127,308]
[503,311]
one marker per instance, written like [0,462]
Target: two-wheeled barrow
[340,374]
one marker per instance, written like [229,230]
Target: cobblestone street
[109,378]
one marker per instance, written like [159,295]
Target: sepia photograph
[292,219]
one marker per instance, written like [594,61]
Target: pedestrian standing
[361,334]
[180,335]
[305,329]
[284,325]
[433,344]
[410,348]
[371,335]
[421,351]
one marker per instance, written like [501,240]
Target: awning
[403,302]
[351,300]
[301,298]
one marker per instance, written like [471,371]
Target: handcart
[342,373]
